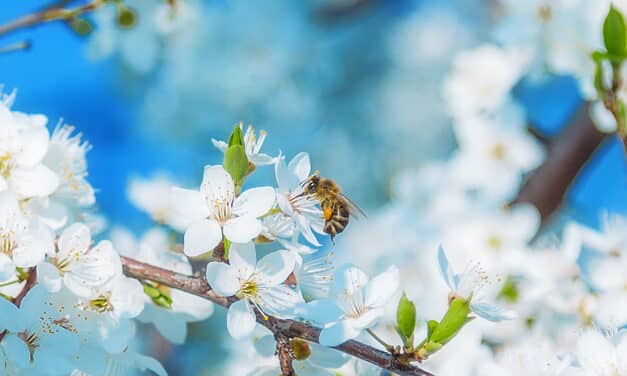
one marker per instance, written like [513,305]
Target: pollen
[498,151]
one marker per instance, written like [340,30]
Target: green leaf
[236,163]
[615,32]
[126,17]
[236,137]
[599,83]
[454,319]
[406,318]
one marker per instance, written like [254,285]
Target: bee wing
[354,209]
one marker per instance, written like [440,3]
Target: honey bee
[336,207]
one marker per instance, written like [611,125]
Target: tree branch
[567,154]
[288,328]
[54,12]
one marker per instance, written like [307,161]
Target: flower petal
[220,145]
[16,351]
[189,204]
[49,277]
[37,181]
[222,278]
[217,185]
[325,357]
[347,279]
[491,312]
[242,229]
[320,312]
[338,333]
[255,202]
[381,288]
[446,270]
[76,238]
[201,237]
[7,268]
[274,268]
[240,319]
[300,166]
[243,258]
[9,316]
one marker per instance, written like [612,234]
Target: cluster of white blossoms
[566,285]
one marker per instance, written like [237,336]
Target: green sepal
[615,33]
[152,292]
[431,325]
[406,320]
[163,301]
[454,319]
[236,137]
[236,163]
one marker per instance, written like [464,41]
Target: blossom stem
[386,345]
[9,283]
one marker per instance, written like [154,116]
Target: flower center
[545,13]
[494,242]
[498,151]
[102,303]
[222,210]
[7,244]
[6,165]
[248,290]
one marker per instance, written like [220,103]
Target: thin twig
[289,328]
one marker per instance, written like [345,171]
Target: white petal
[381,288]
[348,279]
[300,166]
[446,270]
[367,319]
[280,301]
[172,326]
[254,202]
[217,185]
[242,229]
[320,312]
[265,346]
[491,312]
[7,268]
[93,269]
[201,237]
[189,204]
[76,238]
[220,145]
[222,278]
[243,258]
[9,316]
[274,268]
[286,180]
[325,357]
[33,245]
[38,181]
[594,351]
[34,141]
[338,333]
[16,351]
[49,277]
[240,319]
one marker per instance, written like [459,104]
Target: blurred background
[356,83]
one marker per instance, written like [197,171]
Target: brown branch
[284,352]
[289,328]
[55,12]
[567,154]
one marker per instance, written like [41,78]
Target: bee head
[311,185]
